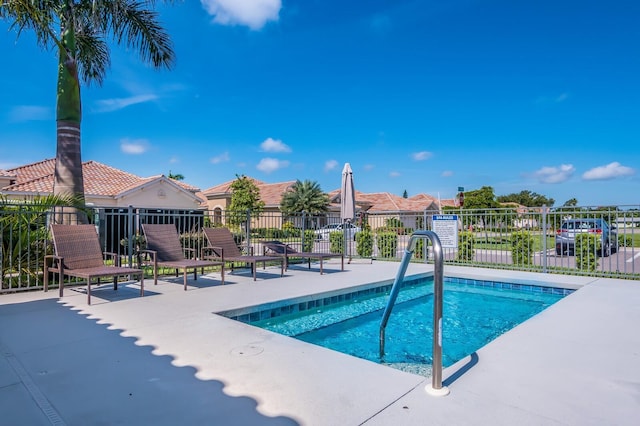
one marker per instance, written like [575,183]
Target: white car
[323,233]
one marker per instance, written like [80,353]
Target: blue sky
[423,96]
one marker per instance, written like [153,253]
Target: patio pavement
[167,359]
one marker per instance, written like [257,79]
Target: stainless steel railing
[436,387]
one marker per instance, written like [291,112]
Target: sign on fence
[446,227]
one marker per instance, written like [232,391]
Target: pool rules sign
[446,227]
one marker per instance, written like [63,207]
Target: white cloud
[174,160]
[274,145]
[30,113]
[269,165]
[224,157]
[109,105]
[368,167]
[447,173]
[610,171]
[562,97]
[330,165]
[394,174]
[421,156]
[554,174]
[252,13]
[135,147]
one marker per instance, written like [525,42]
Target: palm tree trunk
[68,178]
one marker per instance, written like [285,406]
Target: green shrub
[309,238]
[336,242]
[465,246]
[419,251]
[290,229]
[586,247]
[521,248]
[364,243]
[625,240]
[387,244]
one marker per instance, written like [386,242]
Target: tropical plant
[78,30]
[23,235]
[245,197]
[304,196]
[175,176]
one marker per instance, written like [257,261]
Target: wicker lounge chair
[222,246]
[78,254]
[286,251]
[163,244]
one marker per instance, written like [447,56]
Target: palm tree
[175,176]
[304,196]
[78,30]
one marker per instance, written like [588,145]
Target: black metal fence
[531,239]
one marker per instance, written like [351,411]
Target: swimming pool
[474,313]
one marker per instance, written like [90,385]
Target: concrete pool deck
[167,359]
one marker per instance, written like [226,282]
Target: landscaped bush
[419,251]
[387,244]
[290,230]
[336,242]
[309,238]
[465,246]
[364,243]
[625,240]
[521,248]
[586,247]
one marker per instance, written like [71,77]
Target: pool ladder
[436,388]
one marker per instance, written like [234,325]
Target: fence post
[304,227]
[130,236]
[248,231]
[544,239]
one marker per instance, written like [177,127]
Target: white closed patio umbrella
[347,203]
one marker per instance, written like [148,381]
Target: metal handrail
[436,387]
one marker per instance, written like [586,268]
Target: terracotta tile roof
[180,183]
[5,173]
[387,202]
[271,193]
[99,179]
[224,188]
[34,170]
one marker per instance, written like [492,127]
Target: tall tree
[245,196]
[79,30]
[304,196]
[527,198]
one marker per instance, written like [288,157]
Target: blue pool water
[473,315]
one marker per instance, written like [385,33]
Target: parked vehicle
[565,236]
[323,233]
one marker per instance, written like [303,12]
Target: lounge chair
[222,246]
[78,254]
[286,251]
[163,244]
